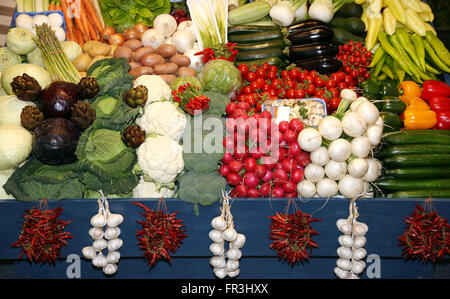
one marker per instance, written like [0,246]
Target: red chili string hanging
[42,235]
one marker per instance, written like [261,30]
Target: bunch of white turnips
[341,150]
[54,20]
[351,253]
[225,263]
[105,233]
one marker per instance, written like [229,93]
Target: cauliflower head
[160,158]
[158,89]
[163,118]
[146,189]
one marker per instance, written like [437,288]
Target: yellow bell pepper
[410,88]
[375,23]
[419,119]
[397,10]
[413,4]
[414,22]
[389,21]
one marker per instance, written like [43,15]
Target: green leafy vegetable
[201,188]
[220,75]
[218,103]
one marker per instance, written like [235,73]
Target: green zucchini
[276,43]
[341,36]
[421,194]
[408,184]
[418,172]
[249,12]
[392,122]
[393,104]
[350,10]
[256,37]
[246,29]
[417,160]
[259,54]
[270,60]
[408,149]
[418,137]
[353,25]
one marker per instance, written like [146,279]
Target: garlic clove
[89,252]
[113,220]
[358,267]
[110,269]
[220,273]
[345,240]
[216,236]
[344,252]
[113,257]
[342,274]
[359,253]
[115,244]
[344,264]
[234,254]
[219,223]
[99,261]
[96,233]
[234,273]
[229,234]
[232,266]
[98,220]
[99,244]
[359,242]
[345,228]
[217,248]
[112,233]
[218,262]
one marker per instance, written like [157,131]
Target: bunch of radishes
[262,158]
[341,150]
[225,263]
[104,239]
[349,264]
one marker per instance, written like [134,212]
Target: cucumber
[246,29]
[408,149]
[350,10]
[421,194]
[270,60]
[342,36]
[276,43]
[417,160]
[418,172]
[249,12]
[256,37]
[418,137]
[409,185]
[259,54]
[353,25]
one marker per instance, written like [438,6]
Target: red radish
[297,175]
[289,187]
[265,125]
[268,177]
[296,125]
[277,192]
[268,162]
[227,157]
[266,114]
[253,135]
[260,171]
[239,140]
[241,190]
[290,136]
[242,126]
[265,189]
[289,164]
[250,164]
[283,126]
[280,154]
[256,117]
[230,125]
[294,149]
[276,136]
[280,176]
[239,113]
[291,195]
[266,145]
[243,105]
[231,107]
[253,192]
[256,152]
[233,178]
[228,143]
[303,159]
[250,180]
[235,165]
[224,170]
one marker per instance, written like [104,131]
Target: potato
[96,58]
[186,71]
[152,60]
[100,49]
[82,61]
[135,64]
[89,45]
[141,70]
[166,50]
[166,68]
[180,60]
[142,51]
[133,44]
[113,49]
[125,52]
[168,78]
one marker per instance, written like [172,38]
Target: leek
[28,5]
[220,9]
[205,24]
[20,5]
[39,6]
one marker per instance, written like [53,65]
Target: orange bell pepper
[418,104]
[411,88]
[419,119]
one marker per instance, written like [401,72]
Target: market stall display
[194,101]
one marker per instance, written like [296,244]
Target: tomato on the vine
[243,68]
[276,84]
[271,75]
[290,93]
[284,74]
[293,74]
[260,73]
[334,103]
[319,82]
[331,83]
[310,89]
[299,93]
[251,76]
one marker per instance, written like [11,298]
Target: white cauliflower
[161,158]
[150,190]
[163,118]
[158,89]
[4,176]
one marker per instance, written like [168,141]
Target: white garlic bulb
[217,248]
[234,273]
[216,236]
[113,220]
[344,226]
[344,252]
[359,242]
[96,233]
[229,234]
[218,262]
[239,242]
[112,233]
[358,267]
[232,266]
[89,252]
[345,240]
[220,273]
[360,229]
[219,223]
[344,264]
[359,253]
[234,254]
[99,244]
[115,244]
[98,220]
[99,261]
[340,273]
[110,269]
[113,257]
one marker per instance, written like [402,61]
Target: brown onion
[140,28]
[130,34]
[116,39]
[124,52]
[108,32]
[133,44]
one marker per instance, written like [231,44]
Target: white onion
[165,24]
[339,150]
[183,40]
[353,124]
[350,187]
[368,112]
[361,146]
[306,189]
[152,37]
[327,188]
[348,94]
[320,156]
[309,139]
[330,128]
[314,173]
[358,167]
[336,170]
[373,172]
[56,20]
[357,102]
[374,133]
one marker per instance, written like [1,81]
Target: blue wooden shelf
[383,216]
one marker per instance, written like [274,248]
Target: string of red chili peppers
[292,235]
[426,236]
[42,235]
[190,99]
[226,51]
[161,234]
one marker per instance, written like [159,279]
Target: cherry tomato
[271,75]
[284,74]
[330,84]
[273,68]
[348,80]
[334,92]
[342,85]
[313,74]
[335,102]
[341,75]
[260,73]
[247,89]
[319,82]
[250,100]
[251,76]
[289,84]
[293,74]
[299,93]
[265,66]
[310,89]
[260,82]
[276,84]
[290,93]
[243,68]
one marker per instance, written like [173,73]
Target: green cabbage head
[220,75]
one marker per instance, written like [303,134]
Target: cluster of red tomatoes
[266,82]
[355,59]
[263,159]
